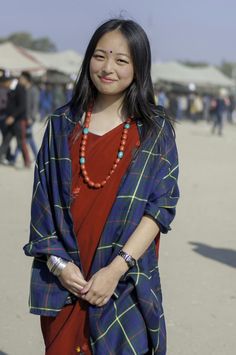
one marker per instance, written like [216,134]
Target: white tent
[174,72]
[67,62]
[12,58]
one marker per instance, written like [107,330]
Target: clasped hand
[97,291]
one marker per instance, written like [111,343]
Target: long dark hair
[139,99]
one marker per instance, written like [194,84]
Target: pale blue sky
[177,29]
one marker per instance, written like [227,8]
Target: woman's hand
[72,279]
[101,286]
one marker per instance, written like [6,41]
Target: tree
[227,68]
[44,44]
[25,40]
[192,64]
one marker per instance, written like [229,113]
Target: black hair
[139,100]
[27,76]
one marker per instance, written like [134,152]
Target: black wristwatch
[130,261]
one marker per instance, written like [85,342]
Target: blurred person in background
[218,112]
[69,91]
[173,104]
[195,107]
[45,100]
[5,87]
[162,98]
[58,96]
[206,107]
[105,187]
[230,108]
[15,121]
[32,110]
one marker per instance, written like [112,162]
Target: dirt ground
[197,258]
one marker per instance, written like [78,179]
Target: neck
[108,103]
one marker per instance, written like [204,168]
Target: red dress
[68,333]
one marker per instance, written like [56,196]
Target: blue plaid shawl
[132,322]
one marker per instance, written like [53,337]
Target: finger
[77,286]
[79,281]
[91,298]
[103,302]
[87,286]
[98,301]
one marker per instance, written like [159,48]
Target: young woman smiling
[105,188]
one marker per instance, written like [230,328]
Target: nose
[107,67]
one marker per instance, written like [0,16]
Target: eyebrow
[104,51]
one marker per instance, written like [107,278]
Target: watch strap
[130,261]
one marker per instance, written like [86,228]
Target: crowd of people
[214,109]
[22,103]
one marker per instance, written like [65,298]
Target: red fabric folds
[68,333]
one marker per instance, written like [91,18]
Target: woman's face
[111,66]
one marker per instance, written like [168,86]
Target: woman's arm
[158,214]
[136,245]
[102,285]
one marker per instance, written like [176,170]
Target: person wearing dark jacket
[32,108]
[5,83]
[16,122]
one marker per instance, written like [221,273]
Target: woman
[105,187]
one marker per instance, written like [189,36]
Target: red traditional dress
[68,333]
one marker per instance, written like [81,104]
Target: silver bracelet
[56,264]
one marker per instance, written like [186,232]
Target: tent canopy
[67,62]
[178,73]
[11,58]
[17,59]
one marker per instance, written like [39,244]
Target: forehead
[114,41]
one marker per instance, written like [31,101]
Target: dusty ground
[198,258]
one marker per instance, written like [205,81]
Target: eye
[122,61]
[98,56]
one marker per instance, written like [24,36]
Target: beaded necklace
[84,140]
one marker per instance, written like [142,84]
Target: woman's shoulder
[60,112]
[62,118]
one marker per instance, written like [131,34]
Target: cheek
[127,74]
[94,66]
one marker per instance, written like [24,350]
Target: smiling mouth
[106,80]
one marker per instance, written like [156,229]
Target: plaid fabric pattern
[132,322]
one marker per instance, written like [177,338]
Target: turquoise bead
[82,160]
[127,125]
[85,131]
[120,155]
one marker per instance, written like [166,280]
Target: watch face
[131,262]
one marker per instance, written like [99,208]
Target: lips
[106,79]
